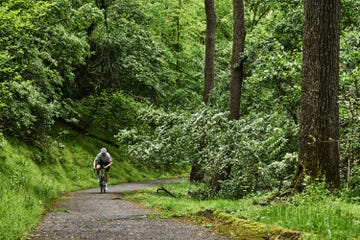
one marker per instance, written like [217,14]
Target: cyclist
[103,160]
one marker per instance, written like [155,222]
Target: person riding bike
[103,160]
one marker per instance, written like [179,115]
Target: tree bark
[319,117]
[197,173]
[237,59]
[236,81]
[209,70]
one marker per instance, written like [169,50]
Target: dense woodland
[220,93]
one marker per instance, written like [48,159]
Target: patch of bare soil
[90,215]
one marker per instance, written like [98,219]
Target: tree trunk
[197,173]
[177,46]
[235,82]
[319,117]
[210,49]
[237,59]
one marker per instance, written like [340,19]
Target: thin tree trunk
[197,173]
[178,45]
[209,70]
[237,60]
[235,82]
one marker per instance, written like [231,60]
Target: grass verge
[315,214]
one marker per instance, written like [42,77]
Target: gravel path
[88,214]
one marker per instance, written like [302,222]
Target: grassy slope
[31,179]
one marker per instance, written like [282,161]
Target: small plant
[353,190]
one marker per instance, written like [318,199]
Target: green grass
[327,217]
[321,215]
[32,179]
[24,191]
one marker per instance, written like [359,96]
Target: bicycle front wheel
[102,184]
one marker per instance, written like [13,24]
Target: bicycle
[102,182]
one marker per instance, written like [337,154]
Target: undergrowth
[315,212]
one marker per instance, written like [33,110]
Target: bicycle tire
[102,184]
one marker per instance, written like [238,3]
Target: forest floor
[88,214]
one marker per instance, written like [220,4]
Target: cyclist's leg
[107,174]
[97,168]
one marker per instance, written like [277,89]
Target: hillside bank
[34,177]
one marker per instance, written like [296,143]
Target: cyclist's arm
[110,163]
[94,162]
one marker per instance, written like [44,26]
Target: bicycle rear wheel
[102,184]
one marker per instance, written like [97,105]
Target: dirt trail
[90,215]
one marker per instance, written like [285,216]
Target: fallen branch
[166,191]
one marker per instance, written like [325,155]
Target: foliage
[108,111]
[2,140]
[254,149]
[182,29]
[125,56]
[352,192]
[273,61]
[350,95]
[273,69]
[35,61]
[154,141]
[349,19]
[91,65]
[135,69]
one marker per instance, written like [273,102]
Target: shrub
[260,152]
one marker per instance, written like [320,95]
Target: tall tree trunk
[197,173]
[236,81]
[237,75]
[319,117]
[177,46]
[209,71]
[104,5]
